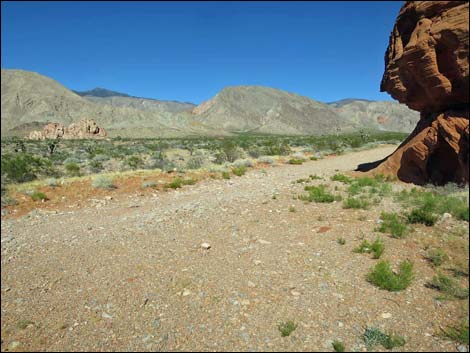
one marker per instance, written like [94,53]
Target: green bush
[373,336]
[448,286]
[318,194]
[436,256]
[296,161]
[352,202]
[342,178]
[391,224]
[458,333]
[38,195]
[422,215]
[225,175]
[23,167]
[383,277]
[376,248]
[286,328]
[134,162]
[239,171]
[427,205]
[338,346]
[72,169]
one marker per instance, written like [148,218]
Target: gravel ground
[131,274]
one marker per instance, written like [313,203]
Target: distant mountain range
[29,100]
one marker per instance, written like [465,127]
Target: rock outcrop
[426,68]
[86,128]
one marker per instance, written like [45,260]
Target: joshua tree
[52,145]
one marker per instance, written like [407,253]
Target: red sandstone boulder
[426,68]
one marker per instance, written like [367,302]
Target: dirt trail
[130,274]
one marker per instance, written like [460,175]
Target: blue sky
[189,51]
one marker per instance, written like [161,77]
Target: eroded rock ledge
[426,68]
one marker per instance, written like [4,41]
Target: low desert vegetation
[449,287]
[458,333]
[383,277]
[392,224]
[103,182]
[319,194]
[286,328]
[338,346]
[374,337]
[38,196]
[376,248]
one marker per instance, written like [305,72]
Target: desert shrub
[296,161]
[373,337]
[338,346]
[254,152]
[160,161]
[38,195]
[134,162]
[436,256]
[286,328]
[196,162]
[376,248]
[23,167]
[318,194]
[72,169]
[459,332]
[239,171]
[103,182]
[353,202]
[243,163]
[101,158]
[225,175]
[392,224]
[220,157]
[448,286]
[266,159]
[232,151]
[383,277]
[95,166]
[427,205]
[342,178]
[51,182]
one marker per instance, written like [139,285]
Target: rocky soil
[133,273]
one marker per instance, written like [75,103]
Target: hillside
[29,100]
[379,115]
[117,99]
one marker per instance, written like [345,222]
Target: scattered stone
[186,293]
[386,315]
[205,246]
[261,241]
[324,229]
[462,348]
[251,284]
[446,216]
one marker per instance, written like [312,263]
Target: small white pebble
[205,246]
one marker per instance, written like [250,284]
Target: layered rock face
[426,68]
[86,128]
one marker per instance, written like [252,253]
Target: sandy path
[131,275]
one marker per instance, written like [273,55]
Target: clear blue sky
[189,51]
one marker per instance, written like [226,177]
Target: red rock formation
[426,68]
[86,128]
